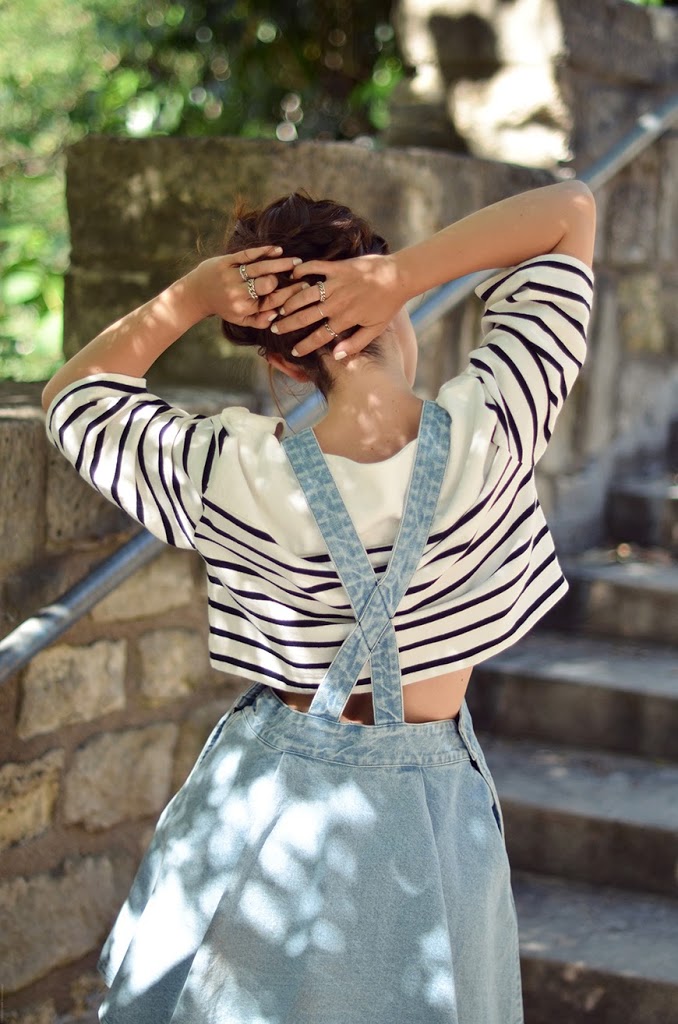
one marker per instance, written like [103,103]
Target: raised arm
[131,345]
[369,290]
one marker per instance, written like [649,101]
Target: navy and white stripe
[222,485]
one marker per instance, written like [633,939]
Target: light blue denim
[314,871]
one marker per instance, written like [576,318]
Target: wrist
[408,264]
[193,296]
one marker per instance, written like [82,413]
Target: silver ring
[321,290]
[243,272]
[252,289]
[328,328]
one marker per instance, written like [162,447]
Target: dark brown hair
[311,229]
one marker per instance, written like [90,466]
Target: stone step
[608,819]
[634,596]
[644,511]
[592,955]
[616,695]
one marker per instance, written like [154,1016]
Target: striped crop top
[222,484]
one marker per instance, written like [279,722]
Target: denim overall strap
[373,600]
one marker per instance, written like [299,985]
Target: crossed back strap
[374,600]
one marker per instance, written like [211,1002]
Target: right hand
[365,291]
[218,288]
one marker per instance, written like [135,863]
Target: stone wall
[98,731]
[536,82]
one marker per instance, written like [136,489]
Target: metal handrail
[49,623]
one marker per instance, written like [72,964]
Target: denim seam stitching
[463,755]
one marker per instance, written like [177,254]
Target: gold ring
[243,272]
[251,288]
[321,290]
[328,328]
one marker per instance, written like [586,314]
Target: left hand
[219,288]
[364,292]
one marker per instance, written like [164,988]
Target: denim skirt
[317,872]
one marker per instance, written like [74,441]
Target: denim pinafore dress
[314,871]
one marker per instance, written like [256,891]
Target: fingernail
[277,248]
[294,352]
[274,329]
[297,261]
[273,316]
[282,311]
[305,284]
[340,355]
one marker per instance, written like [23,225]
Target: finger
[357,342]
[281,296]
[261,267]
[322,268]
[248,255]
[260,320]
[303,295]
[318,339]
[265,285]
[303,318]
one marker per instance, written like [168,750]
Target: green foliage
[287,69]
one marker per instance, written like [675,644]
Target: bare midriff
[429,700]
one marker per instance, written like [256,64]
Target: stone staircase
[579,722]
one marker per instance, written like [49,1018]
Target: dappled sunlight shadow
[278,886]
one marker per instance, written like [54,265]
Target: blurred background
[293,69]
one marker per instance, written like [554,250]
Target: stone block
[641,323]
[560,454]
[22,494]
[29,588]
[667,221]
[75,511]
[174,662]
[498,59]
[517,115]
[67,684]
[668,298]
[639,419]
[621,41]
[94,299]
[40,1013]
[162,585]
[601,369]
[119,776]
[53,919]
[631,215]
[388,187]
[28,792]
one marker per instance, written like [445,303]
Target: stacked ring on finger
[243,272]
[251,288]
[321,291]
[328,328]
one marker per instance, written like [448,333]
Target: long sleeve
[150,459]
[534,344]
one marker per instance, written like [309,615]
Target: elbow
[578,198]
[578,221]
[46,397]
[48,393]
